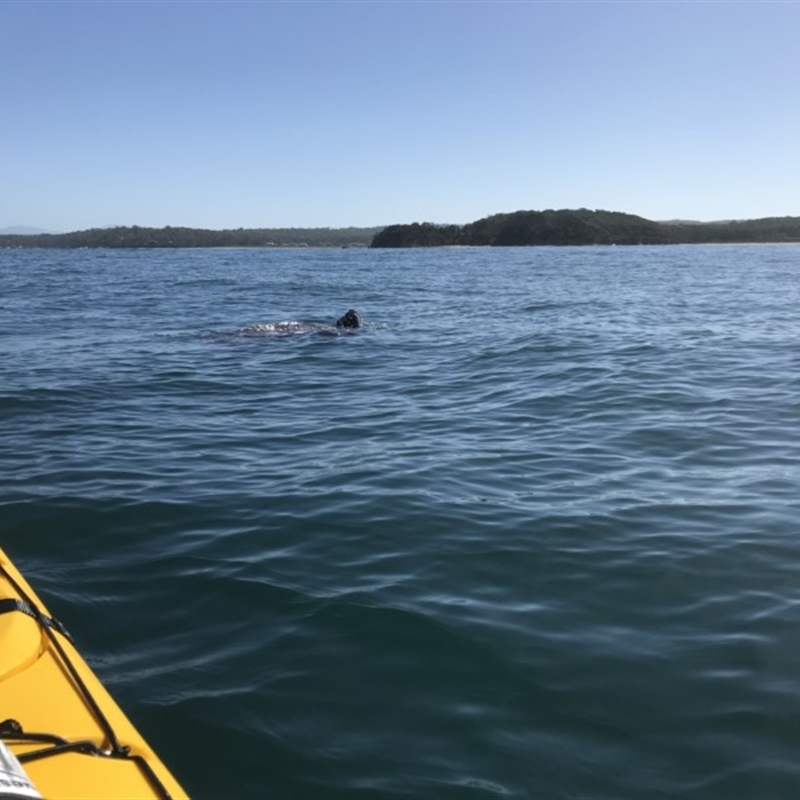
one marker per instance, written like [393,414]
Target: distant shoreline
[564,227]
[128,237]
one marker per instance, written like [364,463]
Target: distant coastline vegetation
[521,228]
[135,236]
[584,227]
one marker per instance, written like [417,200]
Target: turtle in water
[350,319]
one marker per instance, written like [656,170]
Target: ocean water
[534,531]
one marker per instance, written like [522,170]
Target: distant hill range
[563,227]
[584,227]
[134,236]
[21,230]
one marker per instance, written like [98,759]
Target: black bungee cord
[11,730]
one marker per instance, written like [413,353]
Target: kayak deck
[70,736]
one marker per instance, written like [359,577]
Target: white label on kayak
[13,780]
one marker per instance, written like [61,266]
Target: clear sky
[304,114]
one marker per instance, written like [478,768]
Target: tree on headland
[425,234]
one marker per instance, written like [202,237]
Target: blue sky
[301,114]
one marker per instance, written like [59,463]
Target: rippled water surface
[533,531]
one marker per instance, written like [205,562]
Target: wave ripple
[532,532]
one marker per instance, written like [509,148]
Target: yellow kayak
[61,733]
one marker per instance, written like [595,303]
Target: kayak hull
[46,687]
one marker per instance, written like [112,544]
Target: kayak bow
[61,733]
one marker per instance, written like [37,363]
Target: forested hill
[585,227]
[197,237]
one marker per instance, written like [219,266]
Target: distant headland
[580,226]
[584,227]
